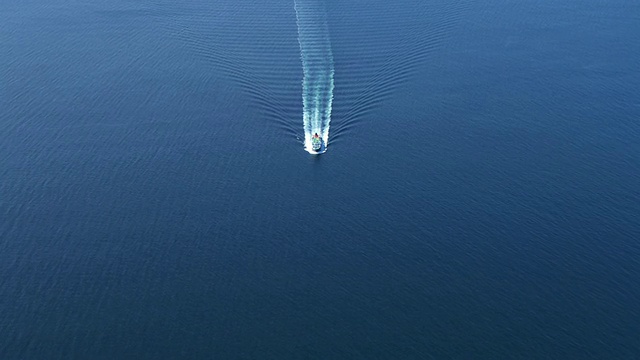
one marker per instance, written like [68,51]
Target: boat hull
[316,145]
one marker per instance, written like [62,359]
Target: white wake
[317,66]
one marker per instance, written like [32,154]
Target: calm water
[479,199]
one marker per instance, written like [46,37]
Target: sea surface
[479,197]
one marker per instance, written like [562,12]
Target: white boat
[316,143]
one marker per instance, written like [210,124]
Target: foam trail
[317,67]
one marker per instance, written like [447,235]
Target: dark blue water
[479,199]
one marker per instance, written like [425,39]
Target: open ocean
[479,197]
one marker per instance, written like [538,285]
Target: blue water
[479,199]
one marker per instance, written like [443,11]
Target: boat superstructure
[316,143]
